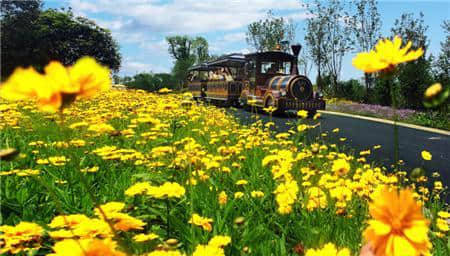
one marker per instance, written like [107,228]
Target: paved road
[364,134]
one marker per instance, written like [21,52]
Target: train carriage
[273,80]
[260,79]
[197,78]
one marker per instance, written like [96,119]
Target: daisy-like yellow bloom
[329,250]
[426,155]
[22,237]
[433,90]
[340,167]
[386,56]
[165,253]
[145,237]
[223,198]
[219,241]
[83,247]
[198,220]
[397,227]
[207,250]
[302,113]
[59,85]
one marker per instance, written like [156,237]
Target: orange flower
[397,227]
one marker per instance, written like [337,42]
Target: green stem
[394,109]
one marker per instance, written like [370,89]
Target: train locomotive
[261,79]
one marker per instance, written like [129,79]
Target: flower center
[396,225]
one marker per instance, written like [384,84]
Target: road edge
[379,120]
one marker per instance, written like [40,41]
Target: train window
[269,67]
[286,67]
[250,68]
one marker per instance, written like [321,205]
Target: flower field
[136,173]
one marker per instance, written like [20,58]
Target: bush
[352,90]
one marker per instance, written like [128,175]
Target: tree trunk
[368,81]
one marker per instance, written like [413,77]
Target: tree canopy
[266,34]
[186,51]
[33,37]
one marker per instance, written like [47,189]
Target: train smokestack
[295,50]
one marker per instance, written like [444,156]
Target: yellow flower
[328,250]
[438,185]
[208,250]
[21,237]
[442,225]
[138,189]
[63,221]
[83,247]
[238,195]
[87,78]
[302,127]
[219,241]
[145,237]
[164,90]
[223,198]
[59,85]
[340,167]
[302,113]
[397,227]
[426,155]
[165,253]
[256,194]
[242,182]
[198,220]
[29,84]
[386,56]
[433,90]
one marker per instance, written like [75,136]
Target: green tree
[315,39]
[18,34]
[51,35]
[266,34]
[442,64]
[186,51]
[329,37]
[365,24]
[415,76]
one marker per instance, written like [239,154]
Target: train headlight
[319,95]
[283,93]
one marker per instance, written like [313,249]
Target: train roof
[275,55]
[200,67]
[230,60]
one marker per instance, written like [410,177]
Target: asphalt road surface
[364,134]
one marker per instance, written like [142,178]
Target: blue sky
[140,26]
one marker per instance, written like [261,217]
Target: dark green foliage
[33,37]
[149,81]
[415,76]
[352,90]
[442,64]
[186,51]
[266,34]
[18,33]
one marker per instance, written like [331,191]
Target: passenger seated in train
[228,76]
[272,69]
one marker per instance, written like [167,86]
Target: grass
[203,149]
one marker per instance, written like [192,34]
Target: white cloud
[181,16]
[233,37]
[131,67]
